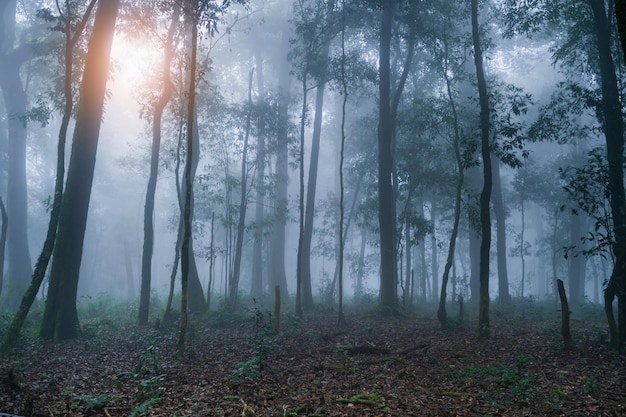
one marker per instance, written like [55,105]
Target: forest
[312,208]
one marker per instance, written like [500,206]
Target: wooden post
[277,309]
[567,336]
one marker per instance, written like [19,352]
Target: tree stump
[567,336]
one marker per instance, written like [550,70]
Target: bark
[148,221]
[256,289]
[15,103]
[500,214]
[48,246]
[434,256]
[186,250]
[386,220]
[485,195]
[60,319]
[243,206]
[565,330]
[307,293]
[614,136]
[456,146]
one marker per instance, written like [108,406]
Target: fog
[260,37]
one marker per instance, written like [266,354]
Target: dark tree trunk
[148,226]
[500,214]
[485,195]
[60,319]
[456,146]
[44,257]
[614,136]
[307,293]
[473,184]
[386,220]
[15,103]
[186,249]
[433,255]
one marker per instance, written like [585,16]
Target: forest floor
[371,366]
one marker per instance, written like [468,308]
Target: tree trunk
[456,146]
[307,293]
[500,214]
[186,249]
[386,220]
[44,257]
[485,195]
[60,319]
[433,253]
[148,226]
[15,103]
[243,206]
[256,289]
[614,136]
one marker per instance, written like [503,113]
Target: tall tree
[72,34]
[386,220]
[12,57]
[157,117]
[485,195]
[594,15]
[233,287]
[500,215]
[60,319]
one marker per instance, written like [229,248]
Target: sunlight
[134,61]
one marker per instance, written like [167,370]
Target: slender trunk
[243,205]
[433,253]
[500,215]
[185,252]
[307,294]
[148,225]
[522,244]
[15,103]
[485,195]
[256,289]
[60,319]
[344,85]
[456,141]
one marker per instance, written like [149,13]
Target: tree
[243,206]
[590,17]
[157,116]
[12,58]
[72,35]
[60,319]
[485,195]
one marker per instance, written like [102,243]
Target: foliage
[587,188]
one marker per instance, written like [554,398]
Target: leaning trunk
[60,319]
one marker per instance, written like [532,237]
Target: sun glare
[134,60]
